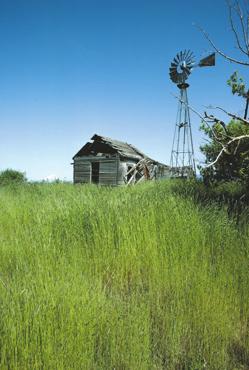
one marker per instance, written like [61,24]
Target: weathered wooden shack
[106,161]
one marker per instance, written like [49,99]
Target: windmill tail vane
[182,160]
[208,61]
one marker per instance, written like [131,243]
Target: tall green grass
[130,278]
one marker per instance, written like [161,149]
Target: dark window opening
[129,174]
[95,172]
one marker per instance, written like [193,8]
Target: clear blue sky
[72,68]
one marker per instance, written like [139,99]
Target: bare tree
[239,22]
[241,32]
[225,140]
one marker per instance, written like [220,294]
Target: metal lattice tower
[182,160]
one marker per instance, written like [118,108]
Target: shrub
[233,165]
[10,176]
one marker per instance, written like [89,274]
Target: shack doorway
[95,172]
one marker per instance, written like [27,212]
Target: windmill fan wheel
[181,66]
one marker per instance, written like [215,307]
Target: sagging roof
[102,144]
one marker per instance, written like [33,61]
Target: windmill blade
[173,75]
[185,53]
[208,61]
[191,58]
[188,70]
[188,54]
[185,74]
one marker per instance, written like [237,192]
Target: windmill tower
[182,161]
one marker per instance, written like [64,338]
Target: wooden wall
[108,169]
[112,170]
[108,172]
[81,171]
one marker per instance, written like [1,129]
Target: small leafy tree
[238,87]
[10,176]
[233,162]
[227,150]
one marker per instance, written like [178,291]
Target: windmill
[182,160]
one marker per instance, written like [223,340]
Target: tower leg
[182,160]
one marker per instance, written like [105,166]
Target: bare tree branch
[237,147]
[240,14]
[241,33]
[216,120]
[203,118]
[232,115]
[225,148]
[221,52]
[194,111]
[235,31]
[247,25]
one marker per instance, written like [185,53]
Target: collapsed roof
[102,144]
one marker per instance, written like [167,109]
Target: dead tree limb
[225,148]
[239,12]
[235,32]
[220,52]
[232,115]
[203,118]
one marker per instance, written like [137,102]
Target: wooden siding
[112,170]
[82,171]
[108,171]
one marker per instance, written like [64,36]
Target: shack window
[95,172]
[129,174]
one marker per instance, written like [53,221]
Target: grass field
[126,279]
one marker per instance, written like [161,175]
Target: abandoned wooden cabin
[106,161]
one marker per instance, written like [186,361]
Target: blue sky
[72,68]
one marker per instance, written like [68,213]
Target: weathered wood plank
[82,172]
[108,173]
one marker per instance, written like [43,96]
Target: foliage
[127,278]
[10,176]
[234,163]
[197,190]
[237,85]
[230,195]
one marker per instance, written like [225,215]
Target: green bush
[233,165]
[231,195]
[10,176]
[221,192]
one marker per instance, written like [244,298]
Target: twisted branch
[220,52]
[225,148]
